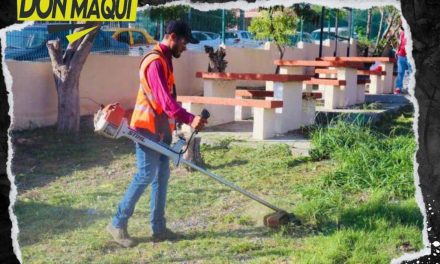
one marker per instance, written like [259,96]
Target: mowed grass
[354,196]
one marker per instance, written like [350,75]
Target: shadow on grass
[245,247]
[236,162]
[245,233]
[298,161]
[42,155]
[392,124]
[39,221]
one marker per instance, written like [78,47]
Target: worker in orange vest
[154,115]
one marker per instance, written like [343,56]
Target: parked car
[30,43]
[205,39]
[306,38]
[138,40]
[343,34]
[242,39]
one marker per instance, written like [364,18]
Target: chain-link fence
[210,27]
[29,44]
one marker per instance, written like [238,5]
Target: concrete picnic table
[379,83]
[286,88]
[338,92]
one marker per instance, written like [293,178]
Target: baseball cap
[181,29]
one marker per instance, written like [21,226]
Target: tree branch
[54,49]
[72,48]
[84,47]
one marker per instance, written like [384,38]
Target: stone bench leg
[241,112]
[376,84]
[220,88]
[264,123]
[296,70]
[289,117]
[360,94]
[308,112]
[327,76]
[387,79]
[349,92]
[333,96]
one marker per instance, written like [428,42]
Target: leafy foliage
[168,13]
[276,25]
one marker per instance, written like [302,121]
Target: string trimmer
[110,122]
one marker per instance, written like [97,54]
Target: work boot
[167,235]
[120,235]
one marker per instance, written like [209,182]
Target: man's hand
[198,123]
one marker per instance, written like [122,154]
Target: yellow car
[138,40]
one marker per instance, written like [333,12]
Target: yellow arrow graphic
[77,35]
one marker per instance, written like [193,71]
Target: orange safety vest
[146,112]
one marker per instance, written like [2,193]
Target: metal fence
[134,39]
[120,38]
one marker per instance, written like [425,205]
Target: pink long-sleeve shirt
[155,75]
[402,43]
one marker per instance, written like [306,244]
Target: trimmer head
[280,218]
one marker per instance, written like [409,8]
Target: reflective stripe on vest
[146,108]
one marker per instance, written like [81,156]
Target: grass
[366,157]
[69,188]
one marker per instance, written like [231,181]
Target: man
[153,115]
[402,62]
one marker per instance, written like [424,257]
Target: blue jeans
[402,67]
[152,167]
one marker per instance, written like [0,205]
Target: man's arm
[159,88]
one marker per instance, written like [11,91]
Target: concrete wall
[111,78]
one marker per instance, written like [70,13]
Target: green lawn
[354,197]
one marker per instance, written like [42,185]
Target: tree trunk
[379,33]
[194,154]
[66,70]
[281,51]
[368,24]
[68,106]
[391,22]
[423,18]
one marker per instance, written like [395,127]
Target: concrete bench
[345,71]
[375,77]
[253,93]
[260,93]
[286,88]
[264,111]
[294,66]
[374,81]
[334,91]
[308,104]
[359,72]
[387,64]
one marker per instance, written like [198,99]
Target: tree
[277,24]
[379,32]
[368,31]
[66,71]
[384,28]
